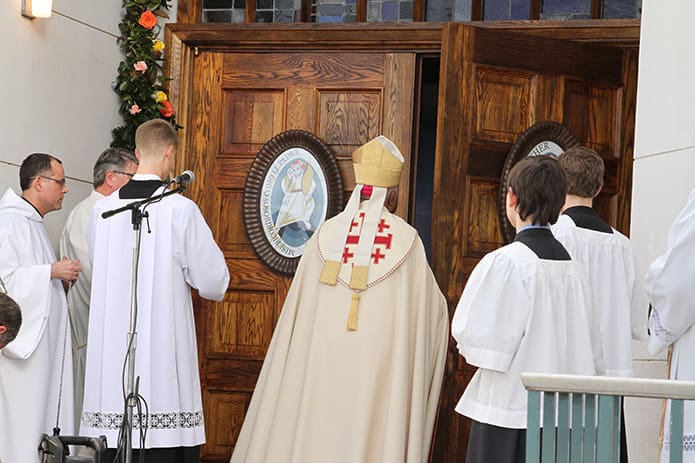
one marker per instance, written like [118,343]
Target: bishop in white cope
[671,292]
[31,365]
[177,253]
[354,369]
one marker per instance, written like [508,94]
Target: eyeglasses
[123,173]
[60,182]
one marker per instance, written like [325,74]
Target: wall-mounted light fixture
[37,8]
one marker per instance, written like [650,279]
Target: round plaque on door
[292,187]
[546,138]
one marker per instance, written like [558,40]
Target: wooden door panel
[347,70]
[348,119]
[241,327]
[233,238]
[251,118]
[503,103]
[484,232]
[495,86]
[223,420]
[591,112]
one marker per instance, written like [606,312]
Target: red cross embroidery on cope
[347,255]
[385,240]
[377,255]
[383,225]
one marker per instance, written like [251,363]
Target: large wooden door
[495,84]
[237,101]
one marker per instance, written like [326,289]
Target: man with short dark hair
[30,382]
[112,170]
[10,318]
[525,308]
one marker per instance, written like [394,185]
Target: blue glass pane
[521,9]
[619,9]
[441,10]
[405,11]
[462,11]
[566,9]
[389,11]
[496,10]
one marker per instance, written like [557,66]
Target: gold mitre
[378,163]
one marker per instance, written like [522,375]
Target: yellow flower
[157,45]
[160,96]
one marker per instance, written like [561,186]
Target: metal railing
[576,419]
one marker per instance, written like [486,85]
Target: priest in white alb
[355,366]
[112,170]
[177,253]
[671,292]
[33,374]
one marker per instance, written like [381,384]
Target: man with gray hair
[112,170]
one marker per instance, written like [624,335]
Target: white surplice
[508,321]
[326,394]
[671,291]
[617,289]
[73,244]
[179,254]
[30,366]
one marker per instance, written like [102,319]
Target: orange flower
[167,110]
[147,20]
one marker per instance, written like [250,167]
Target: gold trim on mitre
[378,163]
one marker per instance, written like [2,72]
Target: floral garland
[139,83]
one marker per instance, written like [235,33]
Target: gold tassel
[352,317]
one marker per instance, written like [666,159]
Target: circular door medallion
[292,187]
[542,139]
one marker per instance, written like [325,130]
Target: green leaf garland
[140,84]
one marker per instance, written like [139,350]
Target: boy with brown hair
[608,261]
[525,308]
[10,318]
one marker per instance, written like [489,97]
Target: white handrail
[608,385]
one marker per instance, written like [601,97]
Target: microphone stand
[137,213]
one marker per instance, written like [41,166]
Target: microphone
[186,177]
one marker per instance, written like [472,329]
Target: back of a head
[111,159]
[34,165]
[153,137]
[584,169]
[10,319]
[540,186]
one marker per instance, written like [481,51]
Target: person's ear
[36,183]
[3,329]
[512,199]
